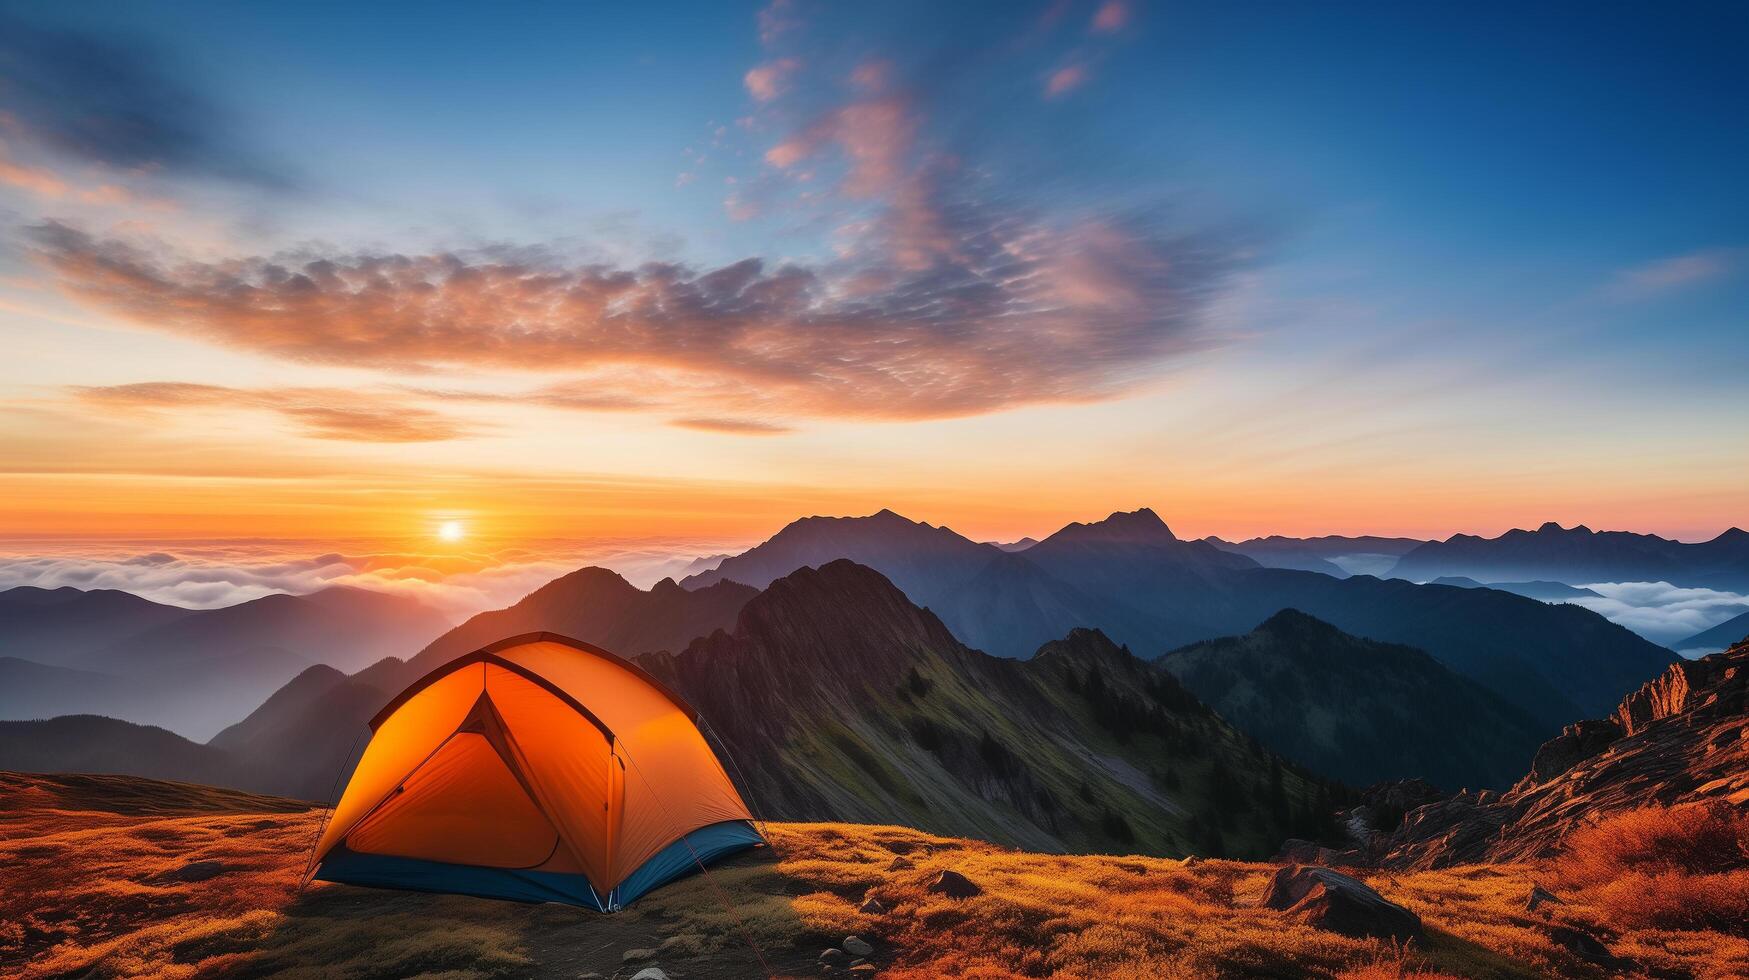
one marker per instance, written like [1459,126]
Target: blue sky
[1433,267]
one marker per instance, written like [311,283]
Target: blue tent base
[679,859]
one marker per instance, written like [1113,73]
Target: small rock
[649,973]
[1539,897]
[639,955]
[1326,899]
[833,957]
[856,963]
[900,864]
[855,946]
[862,970]
[1581,944]
[1191,861]
[872,906]
[954,885]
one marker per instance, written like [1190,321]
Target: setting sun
[451,530]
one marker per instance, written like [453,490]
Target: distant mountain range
[1132,578]
[1678,739]
[1579,555]
[67,651]
[1357,710]
[837,699]
[1332,554]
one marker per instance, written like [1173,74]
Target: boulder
[833,957]
[1582,944]
[872,906]
[1326,899]
[195,871]
[900,864]
[856,946]
[954,885]
[1297,851]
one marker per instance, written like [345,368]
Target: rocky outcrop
[1683,737]
[1326,899]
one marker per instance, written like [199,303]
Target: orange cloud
[320,413]
[965,310]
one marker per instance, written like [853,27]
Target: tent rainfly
[538,769]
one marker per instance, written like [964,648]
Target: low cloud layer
[1661,612]
[207,577]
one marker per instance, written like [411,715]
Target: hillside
[135,877]
[55,626]
[1680,739]
[1357,710]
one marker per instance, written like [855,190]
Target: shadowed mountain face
[1130,577]
[193,671]
[1579,555]
[1357,710]
[1678,739]
[1546,591]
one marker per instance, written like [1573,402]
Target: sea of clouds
[1661,612]
[209,575]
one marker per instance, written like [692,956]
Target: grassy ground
[116,878]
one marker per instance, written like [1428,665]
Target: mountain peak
[1134,526]
[1292,622]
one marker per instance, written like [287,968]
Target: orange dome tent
[538,769]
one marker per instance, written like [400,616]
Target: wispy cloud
[321,413]
[1675,272]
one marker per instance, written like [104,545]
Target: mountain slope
[1579,555]
[1357,710]
[839,698]
[1678,739]
[1728,633]
[88,743]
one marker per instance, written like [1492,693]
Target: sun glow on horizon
[451,531]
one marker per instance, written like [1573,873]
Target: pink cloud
[1674,272]
[776,19]
[767,81]
[1065,80]
[1111,17]
[321,413]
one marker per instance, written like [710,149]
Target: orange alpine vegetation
[539,769]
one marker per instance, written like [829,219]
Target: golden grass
[100,894]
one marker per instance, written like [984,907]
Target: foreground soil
[120,877]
